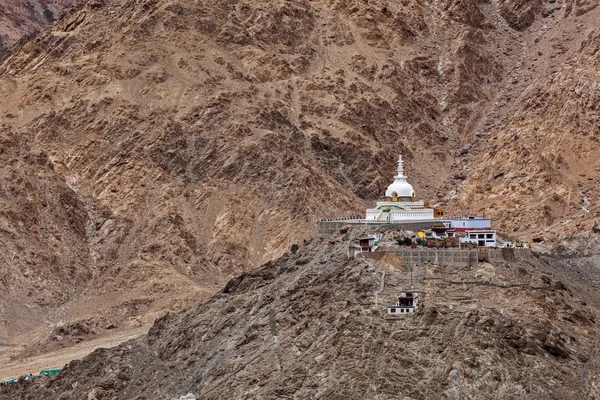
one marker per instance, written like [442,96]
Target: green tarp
[48,372]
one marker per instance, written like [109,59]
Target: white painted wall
[469,223]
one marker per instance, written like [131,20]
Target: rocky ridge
[180,143]
[313,325]
[21,20]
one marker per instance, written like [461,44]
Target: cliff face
[197,140]
[539,169]
[313,324]
[22,19]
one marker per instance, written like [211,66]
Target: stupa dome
[400,188]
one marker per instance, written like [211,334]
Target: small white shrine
[407,303]
[400,204]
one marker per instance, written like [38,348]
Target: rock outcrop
[21,20]
[309,325]
[180,143]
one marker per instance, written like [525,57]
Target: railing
[370,221]
[341,219]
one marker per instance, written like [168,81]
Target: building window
[473,236]
[481,236]
[393,310]
[490,235]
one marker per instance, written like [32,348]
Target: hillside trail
[381,288]
[58,359]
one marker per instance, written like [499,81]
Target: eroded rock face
[45,257]
[199,140]
[214,146]
[22,19]
[520,14]
[544,163]
[308,326]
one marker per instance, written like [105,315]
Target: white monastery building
[407,303]
[477,230]
[400,204]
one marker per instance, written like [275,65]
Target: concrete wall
[470,223]
[452,257]
[329,228]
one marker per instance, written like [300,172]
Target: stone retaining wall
[329,228]
[452,257]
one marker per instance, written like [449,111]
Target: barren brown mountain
[154,149]
[312,325]
[22,19]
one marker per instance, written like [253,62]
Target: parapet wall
[331,227]
[452,256]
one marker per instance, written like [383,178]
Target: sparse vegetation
[404,241]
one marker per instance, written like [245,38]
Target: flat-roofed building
[476,230]
[407,303]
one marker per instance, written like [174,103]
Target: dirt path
[381,287]
[58,359]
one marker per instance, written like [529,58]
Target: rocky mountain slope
[312,325]
[22,19]
[538,170]
[178,143]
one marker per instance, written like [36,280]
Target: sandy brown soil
[152,150]
[58,359]
[313,325]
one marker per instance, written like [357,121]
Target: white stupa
[400,189]
[400,204]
